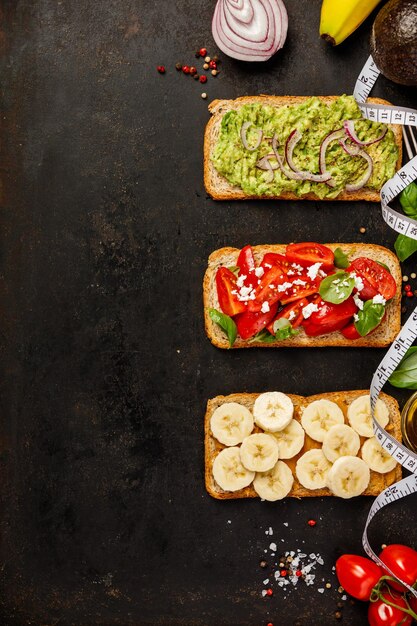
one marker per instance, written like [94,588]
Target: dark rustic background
[105,233]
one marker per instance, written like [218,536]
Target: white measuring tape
[406,226]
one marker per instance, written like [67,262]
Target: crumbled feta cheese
[378,299]
[298,268]
[309,309]
[290,318]
[358,301]
[322,274]
[358,281]
[265,307]
[356,317]
[290,273]
[284,287]
[271,286]
[341,296]
[241,280]
[313,270]
[299,282]
[259,271]
[268,265]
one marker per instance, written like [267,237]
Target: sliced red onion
[332,136]
[352,148]
[367,175]
[293,138]
[349,126]
[266,165]
[250,30]
[243,136]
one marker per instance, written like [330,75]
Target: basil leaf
[283,329]
[405,247]
[264,336]
[405,376]
[341,259]
[226,323]
[369,318]
[408,200]
[234,269]
[337,287]
[384,266]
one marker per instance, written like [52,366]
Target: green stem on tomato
[409,611]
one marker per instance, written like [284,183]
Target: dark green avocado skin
[394,41]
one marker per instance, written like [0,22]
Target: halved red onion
[293,138]
[243,130]
[349,126]
[367,175]
[250,30]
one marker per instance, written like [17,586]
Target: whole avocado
[394,41]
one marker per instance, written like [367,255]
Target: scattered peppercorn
[214,72]
[311,522]
[340,589]
[216,58]
[407,287]
[283,572]
[340,605]
[281,564]
[362,230]
[263,564]
[415,292]
[203,79]
[193,70]
[204,95]
[269,624]
[413,275]
[207,59]
[212,64]
[185,69]
[405,279]
[161,69]
[328,585]
[289,559]
[404,308]
[205,66]
[269,592]
[338,615]
[298,573]
[203,52]
[196,76]
[410,294]
[178,66]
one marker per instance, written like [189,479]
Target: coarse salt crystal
[321,590]
[263,593]
[266,581]
[273,547]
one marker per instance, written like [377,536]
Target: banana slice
[376,457]
[290,440]
[259,452]
[228,471]
[312,469]
[348,477]
[231,423]
[340,440]
[273,411]
[319,416]
[359,415]
[275,484]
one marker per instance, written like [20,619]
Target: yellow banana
[339,18]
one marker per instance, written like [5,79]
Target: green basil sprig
[384,266]
[369,318]
[405,376]
[282,329]
[226,323]
[337,287]
[405,246]
[341,259]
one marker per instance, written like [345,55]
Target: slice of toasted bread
[220,189]
[212,447]
[382,336]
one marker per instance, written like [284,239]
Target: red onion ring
[352,149]
[250,30]
[266,165]
[367,175]
[293,138]
[349,126]
[243,136]
[332,136]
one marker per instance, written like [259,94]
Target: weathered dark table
[106,369]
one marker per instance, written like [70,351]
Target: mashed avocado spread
[314,120]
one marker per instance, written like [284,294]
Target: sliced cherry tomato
[292,312]
[350,332]
[376,279]
[402,561]
[306,254]
[250,323]
[272,258]
[382,614]
[226,283]
[329,317]
[358,575]
[264,292]
[246,265]
[295,292]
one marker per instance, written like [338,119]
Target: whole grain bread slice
[220,189]
[212,447]
[381,337]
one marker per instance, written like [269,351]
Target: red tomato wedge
[306,254]
[350,332]
[226,283]
[292,312]
[376,279]
[246,265]
[329,317]
[267,290]
[272,258]
[296,291]
[250,323]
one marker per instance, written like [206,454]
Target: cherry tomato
[306,254]
[250,323]
[329,317]
[402,561]
[376,279]
[246,265]
[272,258]
[286,313]
[381,614]
[350,332]
[295,292]
[264,292]
[358,575]
[226,283]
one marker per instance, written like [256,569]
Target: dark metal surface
[106,229]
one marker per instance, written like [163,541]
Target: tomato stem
[409,611]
